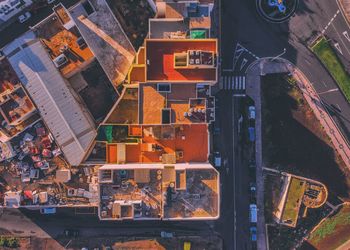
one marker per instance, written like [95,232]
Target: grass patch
[334,231]
[329,58]
[294,197]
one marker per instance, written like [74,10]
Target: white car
[24,17]
[50,1]
[251,113]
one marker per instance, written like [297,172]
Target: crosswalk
[232,82]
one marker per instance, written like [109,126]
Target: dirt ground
[294,140]
[333,232]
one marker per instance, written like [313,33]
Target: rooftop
[183,102]
[181,60]
[152,144]
[164,28]
[16,108]
[68,120]
[158,192]
[63,43]
[183,9]
[105,37]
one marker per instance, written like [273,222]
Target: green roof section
[198,34]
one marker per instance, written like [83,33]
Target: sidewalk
[339,142]
[266,66]
[253,83]
[345,7]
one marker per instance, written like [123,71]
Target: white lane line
[329,91]
[324,84]
[244,62]
[336,31]
[338,106]
[330,22]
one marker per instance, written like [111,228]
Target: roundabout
[276,11]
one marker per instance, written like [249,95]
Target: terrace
[16,108]
[156,192]
[194,194]
[105,37]
[125,110]
[130,194]
[175,104]
[66,48]
[181,60]
[155,144]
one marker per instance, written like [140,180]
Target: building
[157,191]
[147,157]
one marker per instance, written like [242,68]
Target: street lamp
[284,51]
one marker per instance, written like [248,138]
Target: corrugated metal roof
[69,122]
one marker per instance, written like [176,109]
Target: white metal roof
[68,121]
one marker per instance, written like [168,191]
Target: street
[241,24]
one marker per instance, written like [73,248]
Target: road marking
[324,84]
[329,91]
[239,50]
[337,46]
[244,62]
[330,22]
[345,33]
[338,106]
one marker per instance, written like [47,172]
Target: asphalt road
[242,24]
[31,223]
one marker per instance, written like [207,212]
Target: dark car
[71,233]
[252,189]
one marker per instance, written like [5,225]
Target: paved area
[339,142]
[254,73]
[257,38]
[267,66]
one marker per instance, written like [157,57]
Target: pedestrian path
[236,83]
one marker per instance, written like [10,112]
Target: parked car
[252,190]
[253,233]
[217,159]
[48,210]
[165,234]
[253,213]
[251,112]
[24,17]
[50,1]
[251,133]
[71,233]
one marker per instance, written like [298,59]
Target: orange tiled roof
[160,60]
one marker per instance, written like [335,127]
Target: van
[251,132]
[253,213]
[217,159]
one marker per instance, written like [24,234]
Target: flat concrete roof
[105,37]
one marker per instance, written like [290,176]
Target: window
[164,87]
